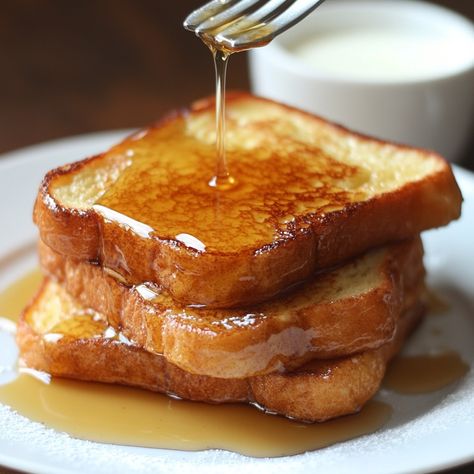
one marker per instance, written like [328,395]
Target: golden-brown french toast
[350,309]
[58,336]
[308,194]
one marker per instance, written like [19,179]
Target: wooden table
[70,67]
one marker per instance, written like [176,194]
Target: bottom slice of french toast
[58,336]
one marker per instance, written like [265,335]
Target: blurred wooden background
[75,67]
[72,67]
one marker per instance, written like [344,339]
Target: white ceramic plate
[426,432]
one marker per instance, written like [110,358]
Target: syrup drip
[425,373]
[14,298]
[127,416]
[436,304]
[222,179]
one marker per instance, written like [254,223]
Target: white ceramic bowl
[433,110]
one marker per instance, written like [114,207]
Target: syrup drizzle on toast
[164,192]
[223,180]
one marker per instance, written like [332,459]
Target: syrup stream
[222,180]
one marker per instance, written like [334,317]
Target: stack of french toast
[291,289]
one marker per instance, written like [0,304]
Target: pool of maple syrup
[425,373]
[122,415]
[128,416]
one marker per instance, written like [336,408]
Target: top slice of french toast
[308,194]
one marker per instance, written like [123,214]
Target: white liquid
[382,53]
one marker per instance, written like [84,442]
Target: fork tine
[264,14]
[241,9]
[207,15]
[263,32]
[196,17]
[294,14]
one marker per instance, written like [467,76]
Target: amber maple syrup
[171,186]
[123,415]
[15,297]
[164,193]
[436,304]
[128,416]
[222,180]
[425,373]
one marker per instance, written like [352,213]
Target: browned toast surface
[309,194]
[58,336]
[351,309]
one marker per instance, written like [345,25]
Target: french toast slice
[309,194]
[350,309]
[58,336]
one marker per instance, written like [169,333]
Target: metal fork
[236,25]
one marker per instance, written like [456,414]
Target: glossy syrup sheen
[165,190]
[122,415]
[425,373]
[15,297]
[128,416]
[223,179]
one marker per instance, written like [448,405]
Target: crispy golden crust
[315,392]
[322,319]
[219,279]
